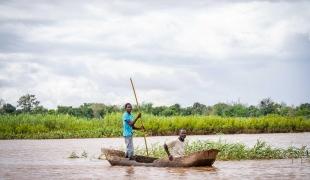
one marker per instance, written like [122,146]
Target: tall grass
[215,124]
[233,151]
[64,126]
[55,126]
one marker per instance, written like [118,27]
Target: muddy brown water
[48,159]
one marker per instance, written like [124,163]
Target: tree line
[29,104]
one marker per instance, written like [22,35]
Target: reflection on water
[194,170]
[130,171]
[42,159]
[177,171]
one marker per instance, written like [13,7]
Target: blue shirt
[127,129]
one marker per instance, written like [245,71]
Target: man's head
[128,107]
[182,134]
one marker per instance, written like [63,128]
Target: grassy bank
[63,126]
[234,151]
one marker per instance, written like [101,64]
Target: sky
[177,51]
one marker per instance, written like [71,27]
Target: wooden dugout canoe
[201,158]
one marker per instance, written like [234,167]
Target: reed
[44,126]
[233,151]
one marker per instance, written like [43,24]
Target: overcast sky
[71,52]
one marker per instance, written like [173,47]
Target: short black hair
[127,105]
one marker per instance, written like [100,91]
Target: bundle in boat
[201,158]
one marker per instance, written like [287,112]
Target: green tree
[198,108]
[267,106]
[99,110]
[168,112]
[303,110]
[76,112]
[64,109]
[253,111]
[284,110]
[51,111]
[176,109]
[220,109]
[39,110]
[236,110]
[28,102]
[146,107]
[157,111]
[7,109]
[186,111]
[114,108]
[86,111]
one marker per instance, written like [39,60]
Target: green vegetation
[43,126]
[31,120]
[29,104]
[234,151]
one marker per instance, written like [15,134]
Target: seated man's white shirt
[176,148]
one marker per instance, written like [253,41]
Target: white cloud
[70,52]
[220,32]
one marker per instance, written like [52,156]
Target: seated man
[176,148]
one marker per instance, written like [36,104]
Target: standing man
[176,148]
[128,126]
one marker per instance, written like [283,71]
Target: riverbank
[26,126]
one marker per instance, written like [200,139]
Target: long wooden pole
[134,91]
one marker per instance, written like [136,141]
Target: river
[48,159]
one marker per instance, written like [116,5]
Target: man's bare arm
[132,123]
[168,153]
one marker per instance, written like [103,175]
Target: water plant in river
[234,151]
[84,154]
[73,155]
